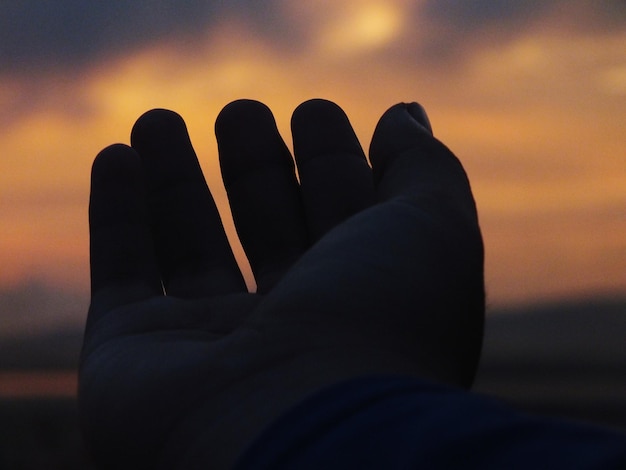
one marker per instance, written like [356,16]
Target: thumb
[408,162]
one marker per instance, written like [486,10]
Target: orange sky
[537,115]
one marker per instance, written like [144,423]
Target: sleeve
[406,423]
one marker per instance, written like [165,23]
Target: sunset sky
[531,96]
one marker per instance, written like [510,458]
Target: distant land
[581,333]
[58,350]
[565,359]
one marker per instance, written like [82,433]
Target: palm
[357,293]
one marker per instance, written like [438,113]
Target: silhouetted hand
[359,271]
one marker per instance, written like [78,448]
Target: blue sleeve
[406,423]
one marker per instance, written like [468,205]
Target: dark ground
[41,434]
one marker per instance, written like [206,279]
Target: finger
[123,265]
[335,178]
[262,189]
[193,253]
[403,127]
[408,161]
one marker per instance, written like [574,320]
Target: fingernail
[418,113]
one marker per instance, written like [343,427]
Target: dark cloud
[459,26]
[612,14]
[36,35]
[512,16]
[463,16]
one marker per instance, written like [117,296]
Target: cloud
[513,15]
[457,27]
[69,34]
[463,16]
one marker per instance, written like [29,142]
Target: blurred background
[530,94]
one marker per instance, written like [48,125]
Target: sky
[530,95]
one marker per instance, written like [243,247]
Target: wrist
[227,422]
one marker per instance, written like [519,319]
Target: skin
[360,271]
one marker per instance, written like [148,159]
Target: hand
[359,271]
